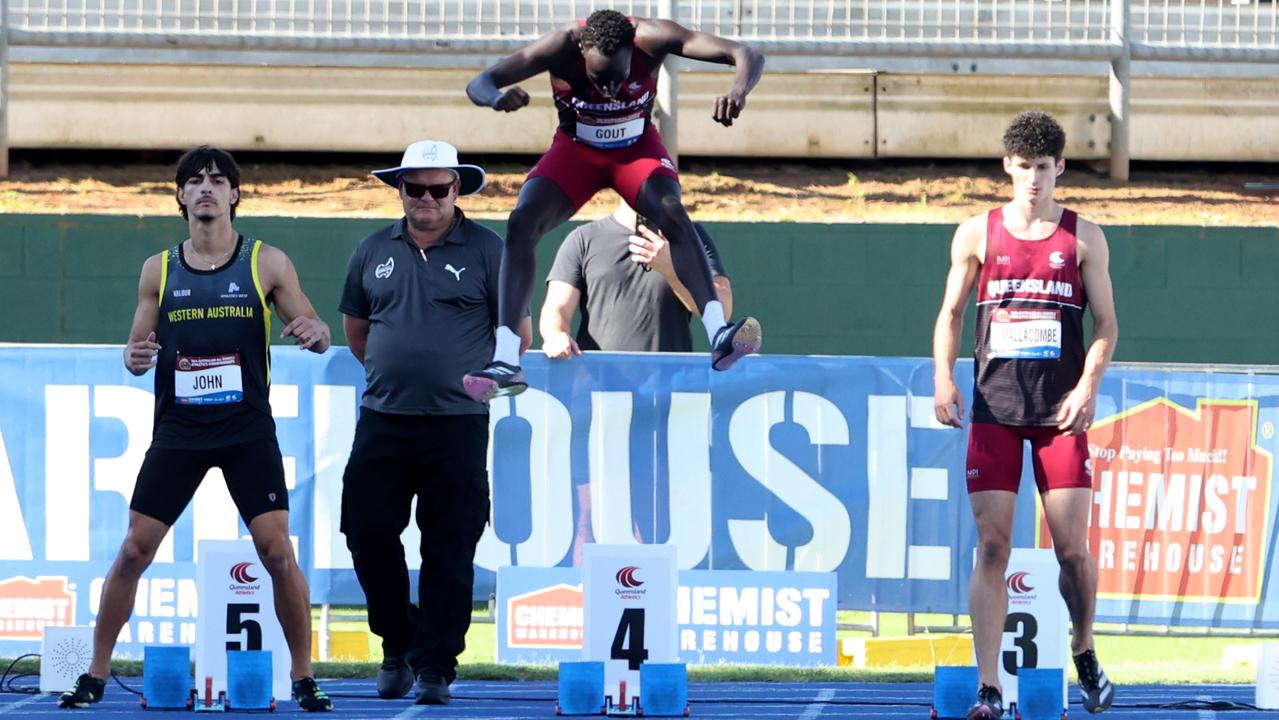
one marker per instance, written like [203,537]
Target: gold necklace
[212,265]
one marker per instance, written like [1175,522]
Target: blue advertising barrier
[823,464]
[724,616]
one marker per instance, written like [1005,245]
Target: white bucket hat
[429,155]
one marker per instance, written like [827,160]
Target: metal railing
[1116,31]
[1180,25]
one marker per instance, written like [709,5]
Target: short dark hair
[204,158]
[607,31]
[1033,134]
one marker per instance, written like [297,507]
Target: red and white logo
[1056,260]
[28,606]
[240,573]
[626,577]
[1017,583]
[549,617]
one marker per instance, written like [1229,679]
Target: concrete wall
[824,114]
[1184,294]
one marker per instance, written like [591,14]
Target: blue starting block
[954,689]
[581,689]
[248,680]
[166,678]
[663,690]
[1039,694]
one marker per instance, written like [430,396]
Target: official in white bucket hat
[419,308]
[434,154]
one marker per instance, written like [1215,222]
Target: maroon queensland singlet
[1030,337]
[589,117]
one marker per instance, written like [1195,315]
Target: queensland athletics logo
[1017,583]
[245,584]
[628,586]
[626,577]
[1056,260]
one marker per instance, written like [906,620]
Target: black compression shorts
[254,473]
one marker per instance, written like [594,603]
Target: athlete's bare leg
[661,202]
[270,532]
[121,585]
[1067,511]
[993,512]
[542,207]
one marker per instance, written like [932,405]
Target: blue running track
[740,701]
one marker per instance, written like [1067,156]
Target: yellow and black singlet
[213,373]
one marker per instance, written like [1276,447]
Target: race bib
[607,136]
[1025,334]
[208,380]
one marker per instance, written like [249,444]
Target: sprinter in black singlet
[203,322]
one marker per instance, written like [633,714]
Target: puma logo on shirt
[456,272]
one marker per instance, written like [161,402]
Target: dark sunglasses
[439,192]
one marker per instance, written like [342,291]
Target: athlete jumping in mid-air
[604,76]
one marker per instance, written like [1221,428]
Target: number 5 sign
[1037,631]
[237,612]
[629,611]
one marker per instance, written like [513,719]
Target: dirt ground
[721,190]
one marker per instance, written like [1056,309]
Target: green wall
[1185,294]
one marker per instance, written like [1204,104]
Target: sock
[713,319]
[508,347]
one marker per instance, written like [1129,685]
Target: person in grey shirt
[603,269]
[419,307]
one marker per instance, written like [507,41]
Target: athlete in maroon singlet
[604,76]
[1036,266]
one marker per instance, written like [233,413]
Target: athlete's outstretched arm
[284,290]
[676,39]
[485,89]
[1077,410]
[140,352]
[965,263]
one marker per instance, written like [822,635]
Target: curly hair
[204,158]
[1034,134]
[607,31]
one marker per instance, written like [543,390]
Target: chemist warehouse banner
[822,464]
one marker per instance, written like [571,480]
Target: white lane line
[413,711]
[819,703]
[1206,714]
[20,703]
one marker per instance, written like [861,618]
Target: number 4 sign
[629,612]
[237,612]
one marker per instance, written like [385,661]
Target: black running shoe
[432,689]
[395,678]
[86,692]
[497,379]
[1094,686]
[734,342]
[310,697]
[989,705]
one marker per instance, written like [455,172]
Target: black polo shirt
[431,316]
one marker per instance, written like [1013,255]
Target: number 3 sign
[1037,631]
[629,611]
[237,612]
